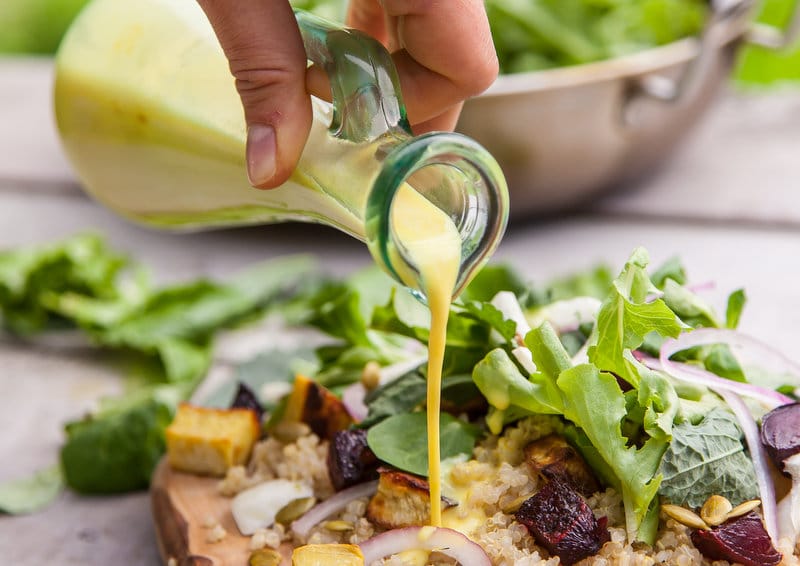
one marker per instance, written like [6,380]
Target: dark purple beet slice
[780,432]
[562,522]
[742,540]
[350,461]
[246,399]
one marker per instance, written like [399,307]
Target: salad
[614,424]
[606,418]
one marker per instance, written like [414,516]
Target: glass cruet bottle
[150,119]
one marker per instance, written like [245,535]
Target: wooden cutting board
[182,504]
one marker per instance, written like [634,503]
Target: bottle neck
[433,190]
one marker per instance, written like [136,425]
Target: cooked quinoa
[498,467]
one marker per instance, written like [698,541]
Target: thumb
[266,57]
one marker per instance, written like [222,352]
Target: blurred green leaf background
[36,27]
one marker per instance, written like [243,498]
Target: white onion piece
[761,461]
[791,466]
[734,340]
[767,356]
[447,541]
[353,400]
[390,373]
[334,504]
[525,359]
[255,508]
[506,302]
[569,314]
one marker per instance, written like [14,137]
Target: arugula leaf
[491,280]
[82,264]
[27,495]
[691,309]
[707,458]
[401,440]
[626,317]
[594,402]
[493,316]
[548,352]
[733,312]
[399,396]
[670,269]
[595,282]
[504,386]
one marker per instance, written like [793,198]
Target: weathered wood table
[728,204]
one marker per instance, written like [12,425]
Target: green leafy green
[705,459]
[733,312]
[492,279]
[27,495]
[540,34]
[399,396]
[82,265]
[671,269]
[401,440]
[760,66]
[626,317]
[116,450]
[595,403]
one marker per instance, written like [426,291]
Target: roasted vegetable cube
[562,522]
[327,554]
[313,404]
[350,460]
[402,500]
[208,441]
[742,540]
[554,459]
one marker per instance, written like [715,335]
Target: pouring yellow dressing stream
[432,242]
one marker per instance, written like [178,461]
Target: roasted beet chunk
[780,433]
[742,540]
[561,521]
[350,461]
[246,399]
[553,458]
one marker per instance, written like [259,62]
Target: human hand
[443,52]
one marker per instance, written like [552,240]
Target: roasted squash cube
[313,404]
[208,441]
[326,554]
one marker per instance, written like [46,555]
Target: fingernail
[260,153]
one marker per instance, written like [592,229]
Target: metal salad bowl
[566,134]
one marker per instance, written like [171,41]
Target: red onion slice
[439,539]
[330,506]
[354,394]
[353,400]
[735,341]
[761,461]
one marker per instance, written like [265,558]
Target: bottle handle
[367,102]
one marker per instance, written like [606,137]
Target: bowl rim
[638,63]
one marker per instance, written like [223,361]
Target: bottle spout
[436,191]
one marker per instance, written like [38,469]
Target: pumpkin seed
[684,516]
[338,526]
[743,508]
[294,510]
[265,557]
[715,510]
[514,505]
